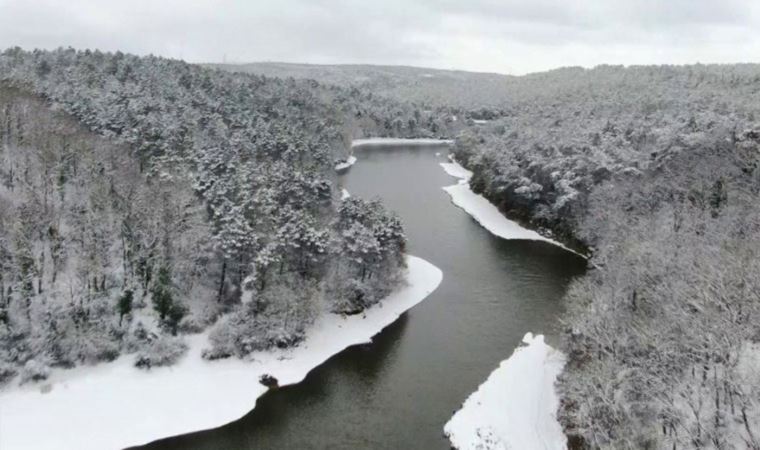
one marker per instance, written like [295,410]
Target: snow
[345,165]
[485,212]
[115,405]
[480,121]
[344,194]
[457,171]
[399,141]
[515,408]
[489,216]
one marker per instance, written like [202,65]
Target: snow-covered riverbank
[115,405]
[346,164]
[515,408]
[369,142]
[399,141]
[485,212]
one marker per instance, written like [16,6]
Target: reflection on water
[399,391]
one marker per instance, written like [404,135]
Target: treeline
[439,102]
[656,171]
[145,197]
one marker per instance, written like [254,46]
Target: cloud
[491,35]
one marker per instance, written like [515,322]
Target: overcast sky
[507,36]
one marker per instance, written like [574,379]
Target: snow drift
[115,405]
[515,407]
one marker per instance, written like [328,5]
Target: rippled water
[398,392]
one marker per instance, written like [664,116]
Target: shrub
[124,304]
[34,371]
[7,372]
[162,351]
[277,317]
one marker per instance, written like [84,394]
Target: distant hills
[487,91]
[416,84]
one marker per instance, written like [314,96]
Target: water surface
[399,391]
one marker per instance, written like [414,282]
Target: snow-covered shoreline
[515,408]
[485,212]
[399,141]
[380,142]
[346,164]
[115,405]
[457,171]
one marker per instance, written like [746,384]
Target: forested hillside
[143,198]
[459,90]
[572,129]
[654,170]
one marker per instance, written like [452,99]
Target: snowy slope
[115,405]
[515,407]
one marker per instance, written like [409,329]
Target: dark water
[398,392]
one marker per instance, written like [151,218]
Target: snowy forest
[143,198]
[653,171]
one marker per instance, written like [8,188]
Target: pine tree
[124,305]
[161,292]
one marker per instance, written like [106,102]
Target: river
[399,391]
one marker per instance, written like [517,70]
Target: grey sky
[507,36]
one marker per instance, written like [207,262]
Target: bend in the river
[399,391]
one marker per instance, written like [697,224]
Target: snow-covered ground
[485,212]
[515,408]
[111,406]
[345,165]
[344,194]
[398,141]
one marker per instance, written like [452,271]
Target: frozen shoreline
[515,408]
[485,212]
[115,405]
[399,141]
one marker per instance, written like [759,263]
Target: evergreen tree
[124,305]
[162,292]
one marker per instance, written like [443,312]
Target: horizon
[410,66]
[510,38]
